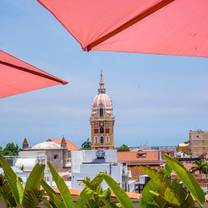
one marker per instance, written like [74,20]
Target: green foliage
[188,180]
[5,193]
[54,199]
[93,196]
[160,191]
[86,145]
[11,149]
[13,181]
[200,165]
[123,148]
[32,192]
[63,189]
[118,191]
[1,151]
[12,192]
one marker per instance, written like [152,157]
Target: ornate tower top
[101,84]
[102,119]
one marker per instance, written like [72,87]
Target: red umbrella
[175,27]
[17,76]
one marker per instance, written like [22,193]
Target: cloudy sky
[156,99]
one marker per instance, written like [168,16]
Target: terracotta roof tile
[76,192]
[144,156]
[70,145]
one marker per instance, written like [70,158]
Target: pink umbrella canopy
[17,76]
[173,27]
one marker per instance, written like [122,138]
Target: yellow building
[102,119]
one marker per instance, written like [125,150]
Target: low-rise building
[57,151]
[146,157]
[198,142]
[89,163]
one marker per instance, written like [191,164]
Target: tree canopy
[11,149]
[123,148]
[86,145]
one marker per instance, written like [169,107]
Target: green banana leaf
[52,194]
[188,180]
[121,195]
[13,181]
[168,194]
[32,194]
[62,187]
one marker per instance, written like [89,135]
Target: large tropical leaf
[5,192]
[150,200]
[62,187]
[13,181]
[120,194]
[169,194]
[90,191]
[3,203]
[188,180]
[52,194]
[32,193]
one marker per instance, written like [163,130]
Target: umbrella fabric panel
[17,76]
[11,60]
[177,28]
[180,28]
[89,20]
[14,82]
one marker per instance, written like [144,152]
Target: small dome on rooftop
[47,145]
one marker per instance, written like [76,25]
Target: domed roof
[46,145]
[102,100]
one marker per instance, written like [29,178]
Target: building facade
[89,163]
[198,142]
[57,151]
[102,119]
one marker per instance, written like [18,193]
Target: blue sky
[156,99]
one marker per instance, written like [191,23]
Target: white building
[89,163]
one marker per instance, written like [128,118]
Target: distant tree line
[11,149]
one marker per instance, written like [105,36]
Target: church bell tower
[102,119]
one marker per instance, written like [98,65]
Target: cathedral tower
[102,119]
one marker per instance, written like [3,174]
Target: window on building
[101,140]
[55,157]
[95,131]
[101,130]
[101,112]
[107,139]
[107,131]
[95,140]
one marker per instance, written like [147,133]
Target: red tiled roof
[132,157]
[70,145]
[76,192]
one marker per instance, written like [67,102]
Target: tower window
[101,140]
[95,140]
[101,130]
[107,131]
[101,112]
[95,131]
[107,139]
